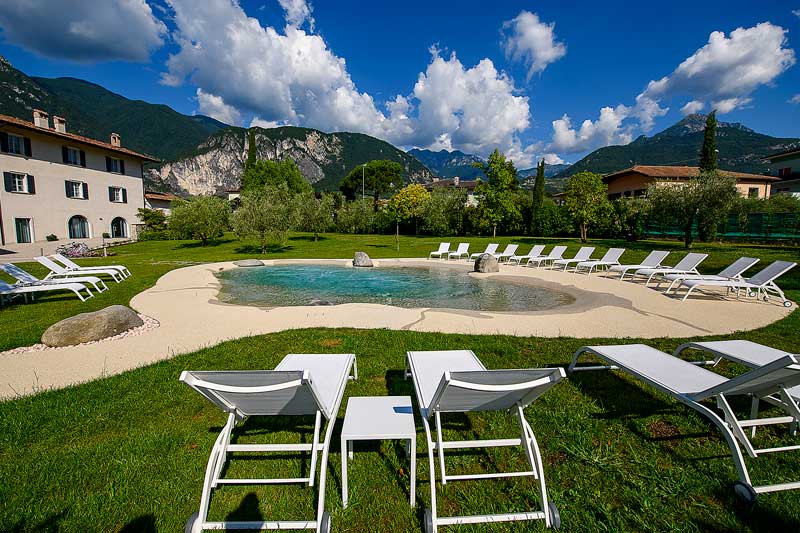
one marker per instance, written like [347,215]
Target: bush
[202,218]
[51,237]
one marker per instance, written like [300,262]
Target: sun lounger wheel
[428,521]
[325,523]
[190,524]
[745,492]
[787,303]
[555,517]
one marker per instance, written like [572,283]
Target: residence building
[456,183]
[66,185]
[633,181]
[786,166]
[160,201]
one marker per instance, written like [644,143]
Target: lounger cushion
[429,367]
[328,374]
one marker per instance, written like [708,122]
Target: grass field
[128,452]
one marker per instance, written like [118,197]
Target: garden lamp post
[363,170]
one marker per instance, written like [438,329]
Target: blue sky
[520,76]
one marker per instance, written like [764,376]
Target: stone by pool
[407,286]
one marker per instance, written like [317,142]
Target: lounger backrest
[463,247]
[738,267]
[13,270]
[492,248]
[654,258]
[770,273]
[613,255]
[557,252]
[584,253]
[511,249]
[257,392]
[536,250]
[5,286]
[690,261]
[492,390]
[52,265]
[69,263]
[768,379]
[444,247]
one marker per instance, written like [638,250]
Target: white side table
[378,418]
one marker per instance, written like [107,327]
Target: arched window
[78,227]
[119,228]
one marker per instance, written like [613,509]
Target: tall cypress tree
[538,197]
[708,155]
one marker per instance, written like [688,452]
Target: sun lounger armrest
[195,382]
[779,374]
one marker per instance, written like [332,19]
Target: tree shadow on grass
[51,523]
[309,238]
[255,249]
[248,510]
[212,243]
[141,524]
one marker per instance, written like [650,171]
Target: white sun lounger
[536,251]
[444,249]
[26,278]
[25,290]
[686,266]
[584,254]
[301,385]
[652,260]
[760,285]
[556,253]
[690,384]
[461,251]
[455,381]
[609,259]
[58,271]
[732,271]
[491,250]
[72,265]
[510,250]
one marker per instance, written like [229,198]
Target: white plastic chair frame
[444,249]
[461,251]
[731,427]
[527,441]
[222,447]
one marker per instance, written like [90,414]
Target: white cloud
[294,78]
[796,12]
[528,39]
[795,99]
[552,159]
[724,72]
[215,107]
[298,12]
[258,122]
[82,31]
[692,106]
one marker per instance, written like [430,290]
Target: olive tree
[355,217]
[443,213]
[406,205]
[268,215]
[201,217]
[316,213]
[586,200]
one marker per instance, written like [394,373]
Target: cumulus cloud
[529,40]
[723,74]
[796,12]
[298,12]
[795,99]
[294,78]
[215,107]
[76,30]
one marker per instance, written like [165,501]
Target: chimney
[455,180]
[115,140]
[41,119]
[60,124]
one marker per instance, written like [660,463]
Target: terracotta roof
[167,196]
[658,171]
[793,151]
[13,121]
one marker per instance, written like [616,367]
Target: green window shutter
[8,179]
[27,142]
[85,191]
[124,196]
[31,184]
[3,141]
[64,155]
[68,188]
[122,166]
[83,158]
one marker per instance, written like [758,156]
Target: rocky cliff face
[323,158]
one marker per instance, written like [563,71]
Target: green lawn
[128,452]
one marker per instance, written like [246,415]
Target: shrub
[51,237]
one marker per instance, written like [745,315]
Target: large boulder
[88,327]
[361,259]
[486,263]
[248,263]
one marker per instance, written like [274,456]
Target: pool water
[409,287]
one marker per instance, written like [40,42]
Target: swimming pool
[409,287]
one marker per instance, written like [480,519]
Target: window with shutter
[16,182]
[73,156]
[16,144]
[122,166]
[85,191]
[124,196]
[31,184]
[28,151]
[83,158]
[3,141]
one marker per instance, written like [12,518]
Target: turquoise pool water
[409,287]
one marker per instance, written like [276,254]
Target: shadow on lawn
[141,524]
[51,523]
[211,243]
[254,249]
[248,510]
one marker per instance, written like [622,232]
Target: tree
[629,217]
[708,154]
[702,201]
[317,213]
[443,213]
[379,177]
[268,215]
[265,172]
[497,194]
[538,199]
[586,199]
[201,217]
[153,219]
[407,204]
[355,217]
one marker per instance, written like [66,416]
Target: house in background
[786,166]
[633,181]
[456,183]
[67,185]
[160,201]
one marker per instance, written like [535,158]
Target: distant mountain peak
[697,122]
